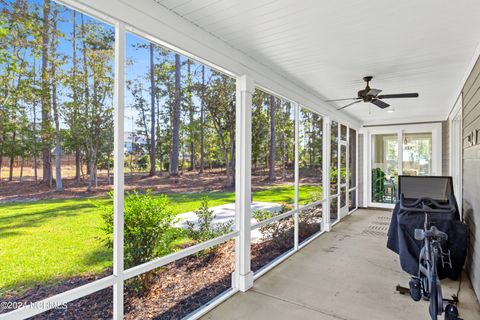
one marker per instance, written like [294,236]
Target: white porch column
[297,180]
[243,193]
[118,154]
[326,172]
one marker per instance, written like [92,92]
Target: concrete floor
[347,273]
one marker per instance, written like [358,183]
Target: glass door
[417,154]
[384,168]
[414,150]
[334,172]
[342,170]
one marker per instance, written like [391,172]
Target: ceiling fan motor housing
[363,94]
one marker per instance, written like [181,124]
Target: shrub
[277,231]
[378,185]
[148,229]
[205,228]
[143,162]
[315,196]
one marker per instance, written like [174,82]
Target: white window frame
[399,130]
[455,149]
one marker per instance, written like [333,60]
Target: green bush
[378,185]
[277,231]
[143,162]
[315,196]
[205,229]
[148,229]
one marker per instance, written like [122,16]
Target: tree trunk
[21,169]
[78,165]
[202,123]
[86,88]
[108,171]
[176,120]
[224,148]
[46,125]
[159,141]
[271,158]
[152,115]
[58,142]
[85,66]
[12,161]
[91,166]
[12,153]
[81,170]
[34,130]
[75,98]
[95,168]
[191,111]
[35,173]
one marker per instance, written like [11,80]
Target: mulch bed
[177,289]
[210,180]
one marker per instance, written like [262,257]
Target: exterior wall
[471,171]
[360,171]
[445,149]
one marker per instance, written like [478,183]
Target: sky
[137,53]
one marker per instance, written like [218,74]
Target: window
[179,177]
[417,154]
[56,129]
[310,156]
[273,165]
[273,153]
[310,173]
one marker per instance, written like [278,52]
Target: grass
[43,242]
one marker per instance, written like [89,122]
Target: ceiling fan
[372,95]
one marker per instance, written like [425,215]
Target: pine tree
[46,98]
[176,120]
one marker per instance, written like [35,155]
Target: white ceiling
[421,46]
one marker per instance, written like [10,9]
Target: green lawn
[42,242]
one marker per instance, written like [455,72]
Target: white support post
[243,194]
[339,176]
[326,173]
[118,178]
[295,216]
[400,134]
[347,170]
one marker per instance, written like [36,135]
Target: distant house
[134,142]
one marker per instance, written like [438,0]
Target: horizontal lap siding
[471,173]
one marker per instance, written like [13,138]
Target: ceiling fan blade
[380,103]
[348,105]
[399,95]
[341,99]
[373,92]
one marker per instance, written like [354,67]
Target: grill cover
[401,238]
